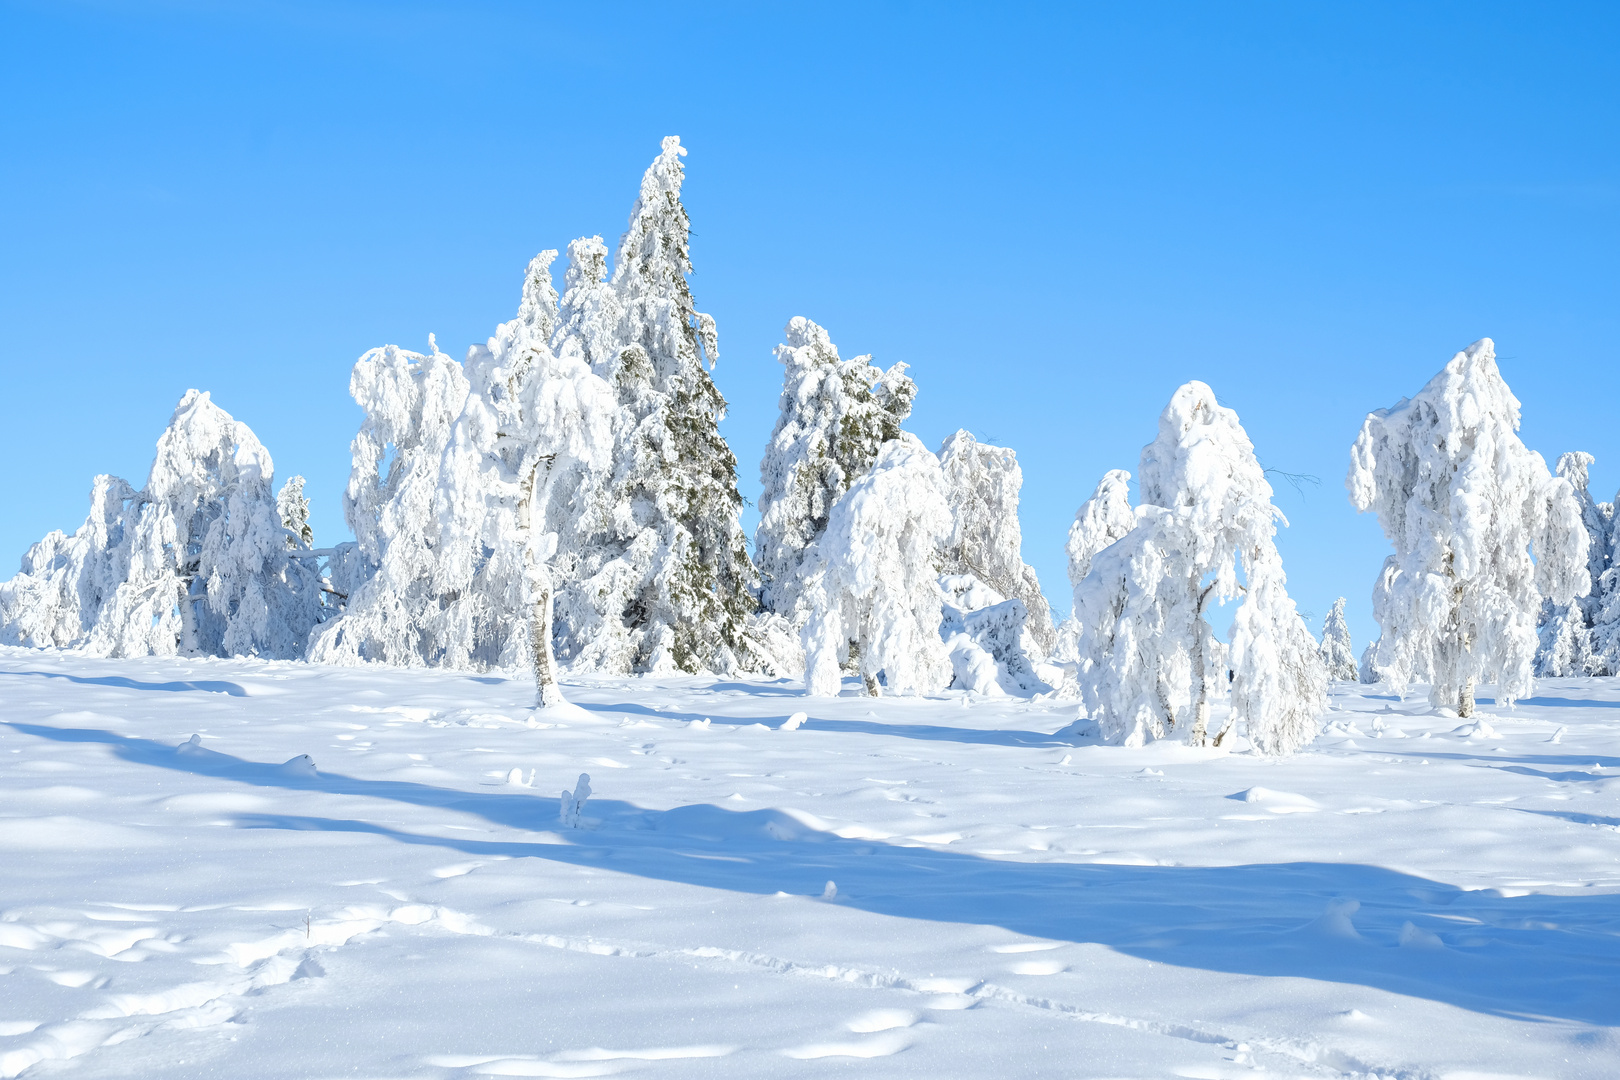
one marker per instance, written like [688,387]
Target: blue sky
[1054,214]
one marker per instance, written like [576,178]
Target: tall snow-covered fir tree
[1566,632]
[1152,664]
[982,484]
[834,417]
[871,587]
[1337,655]
[661,579]
[1482,534]
[198,562]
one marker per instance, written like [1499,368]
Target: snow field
[1413,896]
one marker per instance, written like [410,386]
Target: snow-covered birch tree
[982,484]
[1204,534]
[834,416]
[1482,533]
[1337,655]
[871,584]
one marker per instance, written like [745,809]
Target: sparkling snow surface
[1412,896]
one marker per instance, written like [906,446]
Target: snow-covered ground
[1403,899]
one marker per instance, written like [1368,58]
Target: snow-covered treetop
[1102,519]
[1202,466]
[650,271]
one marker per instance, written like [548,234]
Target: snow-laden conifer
[660,579]
[293,508]
[982,483]
[1566,632]
[834,416]
[1337,655]
[1482,533]
[197,562]
[1153,665]
[871,586]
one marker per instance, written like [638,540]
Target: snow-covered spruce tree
[661,580]
[1466,505]
[1565,631]
[982,484]
[871,586]
[1153,664]
[1337,655]
[196,563]
[835,415]
[293,508]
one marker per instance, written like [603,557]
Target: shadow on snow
[1533,956]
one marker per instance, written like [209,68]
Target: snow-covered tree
[1482,533]
[835,415]
[871,585]
[1153,664]
[982,484]
[464,476]
[197,562]
[293,508]
[1567,644]
[660,579]
[1337,655]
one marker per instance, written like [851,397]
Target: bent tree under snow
[1482,533]
[871,588]
[1203,535]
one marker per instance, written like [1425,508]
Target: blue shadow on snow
[1533,957]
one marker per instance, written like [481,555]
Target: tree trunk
[548,693]
[1200,729]
[1465,699]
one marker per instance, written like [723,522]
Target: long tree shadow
[927,732]
[1535,956]
[212,686]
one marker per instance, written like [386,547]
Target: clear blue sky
[1054,214]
